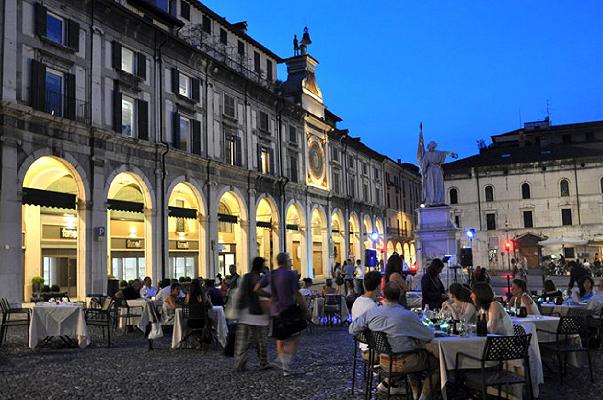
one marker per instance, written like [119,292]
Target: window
[364,169]
[181,266]
[335,154]
[457,221]
[376,173]
[127,116]
[185,133]
[568,252]
[231,150]
[491,221]
[489,190]
[377,198]
[206,22]
[292,134]
[265,160]
[256,62]
[241,48]
[293,168]
[264,121]
[269,70]
[229,106]
[185,10]
[223,36]
[336,182]
[454,196]
[365,191]
[525,191]
[351,161]
[351,186]
[601,185]
[54,92]
[184,85]
[566,216]
[128,63]
[55,28]
[528,221]
[564,188]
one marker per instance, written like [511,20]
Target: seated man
[366,302]
[404,331]
[148,290]
[596,302]
[306,291]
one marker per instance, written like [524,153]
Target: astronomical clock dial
[317,160]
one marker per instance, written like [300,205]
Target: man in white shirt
[358,281]
[366,302]
[306,291]
[148,290]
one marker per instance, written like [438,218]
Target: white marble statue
[430,162]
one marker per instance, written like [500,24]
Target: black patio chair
[102,316]
[498,349]
[519,330]
[332,308]
[361,338]
[198,323]
[126,313]
[379,344]
[562,346]
[10,318]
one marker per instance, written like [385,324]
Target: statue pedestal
[436,236]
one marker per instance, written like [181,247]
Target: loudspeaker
[467,257]
[370,258]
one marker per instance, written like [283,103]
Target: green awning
[122,205]
[48,198]
[292,227]
[181,212]
[231,219]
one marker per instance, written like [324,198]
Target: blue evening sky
[468,70]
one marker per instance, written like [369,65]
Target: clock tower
[301,87]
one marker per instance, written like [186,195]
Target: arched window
[525,191]
[489,193]
[454,195]
[564,188]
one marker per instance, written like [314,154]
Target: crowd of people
[560,266]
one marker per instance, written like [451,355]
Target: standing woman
[432,288]
[393,272]
[499,321]
[521,298]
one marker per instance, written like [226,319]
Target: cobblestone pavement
[129,371]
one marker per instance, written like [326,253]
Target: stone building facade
[152,137]
[540,181]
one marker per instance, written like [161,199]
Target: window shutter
[176,130]
[73,35]
[271,155]
[69,99]
[41,28]
[141,66]
[116,108]
[195,89]
[196,136]
[259,157]
[238,150]
[116,55]
[175,80]
[143,119]
[37,92]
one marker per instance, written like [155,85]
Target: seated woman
[499,321]
[393,272]
[521,298]
[171,303]
[459,304]
[196,294]
[584,292]
[550,291]
[328,288]
[306,291]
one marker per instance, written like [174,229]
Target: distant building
[539,181]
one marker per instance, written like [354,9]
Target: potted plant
[36,284]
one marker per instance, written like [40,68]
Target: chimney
[399,161]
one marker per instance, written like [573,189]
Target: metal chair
[361,338]
[498,349]
[102,317]
[519,330]
[8,321]
[198,323]
[568,326]
[379,344]
[332,308]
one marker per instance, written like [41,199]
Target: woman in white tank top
[521,298]
[499,322]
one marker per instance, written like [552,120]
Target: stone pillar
[252,244]
[212,229]
[347,236]
[11,272]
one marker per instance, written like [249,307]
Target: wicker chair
[198,323]
[8,320]
[498,349]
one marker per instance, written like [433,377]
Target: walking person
[288,309]
[252,327]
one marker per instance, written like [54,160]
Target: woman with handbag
[252,327]
[288,309]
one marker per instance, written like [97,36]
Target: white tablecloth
[554,309]
[136,307]
[216,314]
[446,349]
[50,320]
[318,309]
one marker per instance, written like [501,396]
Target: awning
[264,224]
[181,212]
[231,219]
[48,198]
[122,205]
[563,241]
[292,227]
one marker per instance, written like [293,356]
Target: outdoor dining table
[559,309]
[216,314]
[318,309]
[63,320]
[446,348]
[136,307]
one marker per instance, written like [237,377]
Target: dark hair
[165,282]
[571,264]
[392,291]
[257,265]
[460,292]
[520,283]
[329,283]
[549,286]
[484,295]
[210,283]
[307,281]
[175,285]
[394,265]
[372,281]
[581,285]
[194,291]
[435,267]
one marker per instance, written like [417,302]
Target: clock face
[316,155]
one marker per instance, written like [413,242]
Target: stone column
[11,272]
[97,220]
[212,230]
[252,244]
[309,243]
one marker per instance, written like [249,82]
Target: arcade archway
[232,234]
[267,230]
[338,236]
[295,236]
[320,249]
[354,252]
